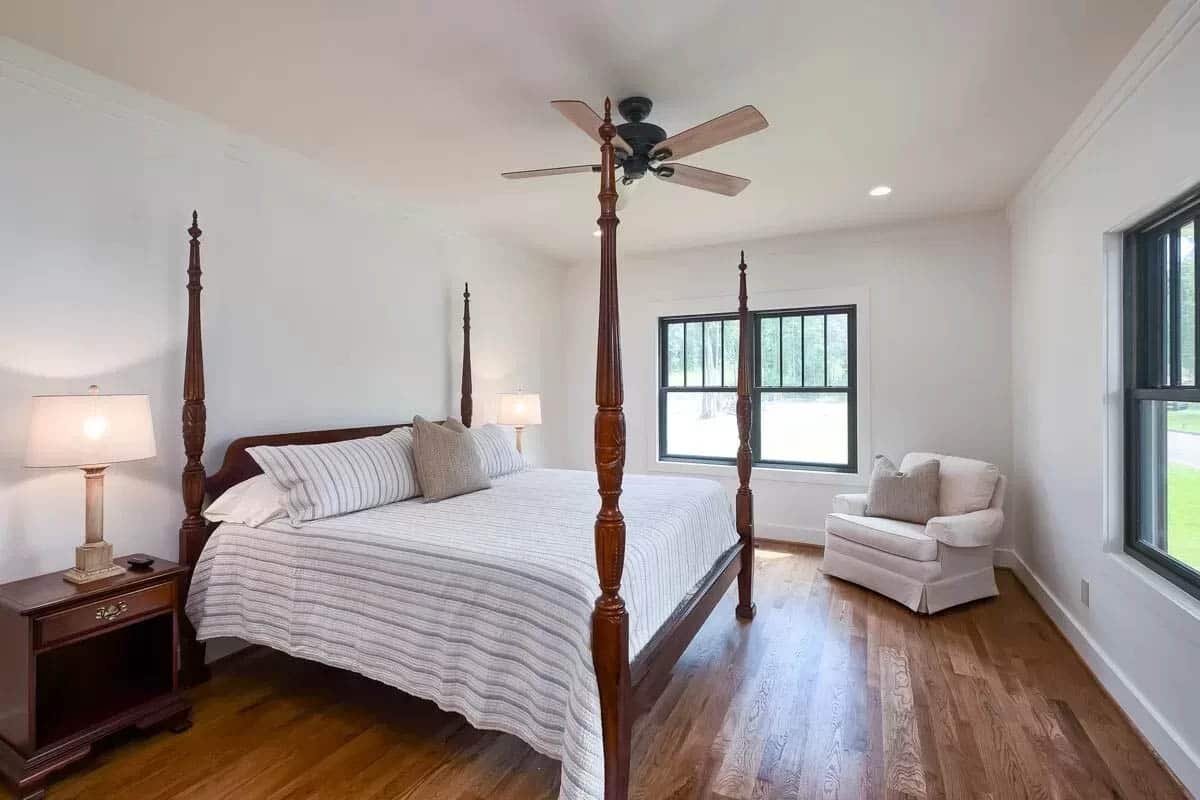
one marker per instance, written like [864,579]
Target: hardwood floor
[831,692]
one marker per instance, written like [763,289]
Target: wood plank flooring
[832,692]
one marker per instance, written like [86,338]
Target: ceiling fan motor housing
[641,136]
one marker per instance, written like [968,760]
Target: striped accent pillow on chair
[325,480]
[497,451]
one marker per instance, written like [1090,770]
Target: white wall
[1133,150]
[938,343]
[325,305]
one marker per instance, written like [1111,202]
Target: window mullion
[825,345]
[802,357]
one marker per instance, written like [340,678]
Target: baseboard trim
[1162,738]
[789,534]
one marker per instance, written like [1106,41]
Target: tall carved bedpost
[192,530]
[466,405]
[610,620]
[745,498]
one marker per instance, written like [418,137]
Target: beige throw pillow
[909,496]
[447,459]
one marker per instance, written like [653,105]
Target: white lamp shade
[89,429]
[520,409]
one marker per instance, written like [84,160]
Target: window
[1162,399]
[803,388]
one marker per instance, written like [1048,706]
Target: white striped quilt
[481,603]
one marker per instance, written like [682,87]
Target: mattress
[481,603]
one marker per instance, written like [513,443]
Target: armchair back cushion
[966,484]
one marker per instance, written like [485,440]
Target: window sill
[1178,598]
[842,480]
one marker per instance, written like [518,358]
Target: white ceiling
[952,102]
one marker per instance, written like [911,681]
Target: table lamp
[90,431]
[519,410]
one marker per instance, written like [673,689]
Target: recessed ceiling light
[596,233]
[880,191]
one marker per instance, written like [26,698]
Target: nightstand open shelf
[81,662]
[82,684]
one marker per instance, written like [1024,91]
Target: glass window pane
[712,353]
[1187,305]
[702,424]
[1169,468]
[695,353]
[675,354]
[731,352]
[793,350]
[814,350]
[838,342]
[769,348]
[806,427]
[1165,256]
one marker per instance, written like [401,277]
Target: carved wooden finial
[742,265]
[195,229]
[607,129]
[466,291]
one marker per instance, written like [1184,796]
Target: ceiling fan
[643,147]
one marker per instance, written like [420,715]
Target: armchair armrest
[850,504]
[976,529]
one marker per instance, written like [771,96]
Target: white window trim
[858,296]
[1163,595]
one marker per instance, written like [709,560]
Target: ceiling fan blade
[706,179]
[541,173]
[583,117]
[725,128]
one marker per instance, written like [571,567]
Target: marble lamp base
[93,558]
[93,562]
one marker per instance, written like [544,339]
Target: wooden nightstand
[78,663]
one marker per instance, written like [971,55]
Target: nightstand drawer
[103,614]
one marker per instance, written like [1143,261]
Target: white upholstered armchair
[927,567]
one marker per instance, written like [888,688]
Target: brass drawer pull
[110,612]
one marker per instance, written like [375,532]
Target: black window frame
[757,388]
[1152,365]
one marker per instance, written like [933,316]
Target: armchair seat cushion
[904,539]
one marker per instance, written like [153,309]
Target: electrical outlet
[1085,593]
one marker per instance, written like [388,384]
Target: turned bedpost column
[466,405]
[610,620]
[745,498]
[192,530]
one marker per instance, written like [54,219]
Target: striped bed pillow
[325,480]
[497,452]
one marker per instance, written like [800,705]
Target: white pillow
[252,502]
[966,485]
[497,451]
[325,480]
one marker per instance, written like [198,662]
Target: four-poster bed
[623,686]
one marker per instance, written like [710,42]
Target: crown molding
[1169,28]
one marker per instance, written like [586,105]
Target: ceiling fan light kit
[642,147]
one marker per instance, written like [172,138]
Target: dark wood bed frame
[626,689]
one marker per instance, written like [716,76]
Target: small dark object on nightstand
[140,562]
